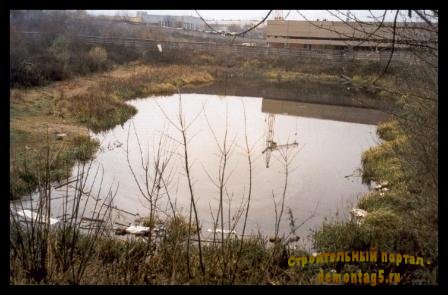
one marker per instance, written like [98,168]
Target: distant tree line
[57,55]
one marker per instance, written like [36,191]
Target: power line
[240,33]
[254,27]
[210,27]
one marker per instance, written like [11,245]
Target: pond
[323,145]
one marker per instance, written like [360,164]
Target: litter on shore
[225,231]
[30,216]
[358,215]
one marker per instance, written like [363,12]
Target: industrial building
[334,35]
[184,21]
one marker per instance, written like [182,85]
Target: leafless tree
[225,152]
[182,127]
[286,159]
[249,153]
[45,246]
[156,176]
[411,88]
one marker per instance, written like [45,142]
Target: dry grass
[400,218]
[281,75]
[96,101]
[381,163]
[117,261]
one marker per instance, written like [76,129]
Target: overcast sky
[253,14]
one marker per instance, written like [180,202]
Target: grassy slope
[391,224]
[71,106]
[117,261]
[96,102]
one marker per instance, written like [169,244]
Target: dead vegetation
[96,102]
[73,254]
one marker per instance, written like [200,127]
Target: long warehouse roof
[341,33]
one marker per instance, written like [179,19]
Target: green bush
[388,131]
[97,58]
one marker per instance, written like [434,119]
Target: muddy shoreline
[329,93]
[322,100]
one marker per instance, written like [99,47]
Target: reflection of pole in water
[270,143]
[225,85]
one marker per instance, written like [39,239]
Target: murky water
[329,149]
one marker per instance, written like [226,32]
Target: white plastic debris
[358,215]
[137,230]
[29,216]
[159,46]
[218,230]
[382,186]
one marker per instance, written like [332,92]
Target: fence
[330,55]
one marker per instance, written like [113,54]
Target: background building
[334,35]
[173,21]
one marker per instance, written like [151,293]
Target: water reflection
[322,111]
[329,147]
